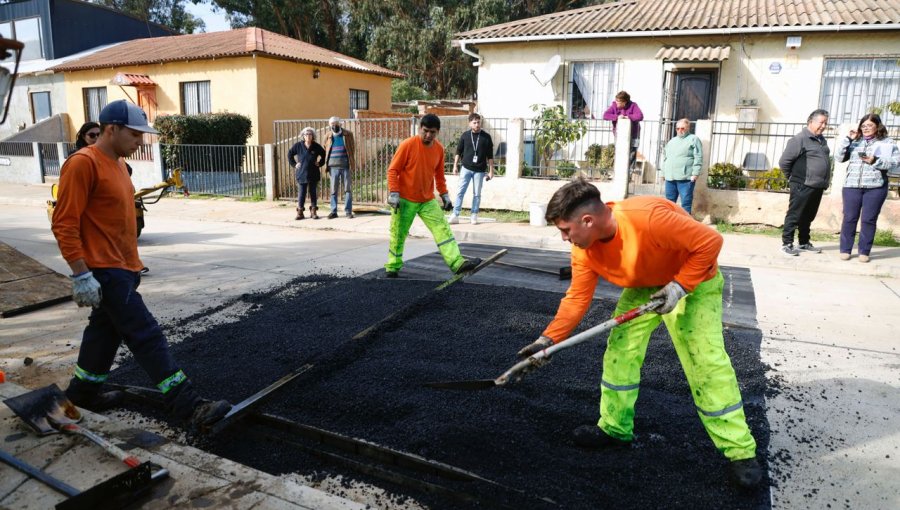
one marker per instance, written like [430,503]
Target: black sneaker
[809,248]
[391,274]
[591,436]
[747,473]
[208,413]
[350,215]
[468,265]
[788,250]
[333,215]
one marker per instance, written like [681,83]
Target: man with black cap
[94,225]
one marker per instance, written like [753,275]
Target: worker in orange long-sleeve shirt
[95,228]
[415,170]
[653,249]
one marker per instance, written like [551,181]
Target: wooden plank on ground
[26,284]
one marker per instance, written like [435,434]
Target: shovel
[48,411]
[541,358]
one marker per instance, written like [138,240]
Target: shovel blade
[42,408]
[476,384]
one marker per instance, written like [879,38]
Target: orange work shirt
[94,217]
[417,169]
[655,243]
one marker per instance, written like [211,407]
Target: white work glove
[672,293]
[535,347]
[445,200]
[394,199]
[86,289]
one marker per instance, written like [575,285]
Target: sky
[215,21]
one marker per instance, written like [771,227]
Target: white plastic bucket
[536,214]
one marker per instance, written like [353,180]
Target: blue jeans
[338,174]
[465,176]
[123,316]
[865,204]
[683,188]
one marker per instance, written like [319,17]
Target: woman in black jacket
[307,156]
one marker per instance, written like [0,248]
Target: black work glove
[535,347]
[446,203]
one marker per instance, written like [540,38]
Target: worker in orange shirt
[653,249]
[416,169]
[95,228]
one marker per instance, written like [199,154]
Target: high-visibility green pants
[695,326]
[433,217]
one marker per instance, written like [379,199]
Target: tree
[169,13]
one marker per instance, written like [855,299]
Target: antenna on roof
[548,72]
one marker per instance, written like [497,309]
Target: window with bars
[851,87]
[359,100]
[195,97]
[592,87]
[40,106]
[94,101]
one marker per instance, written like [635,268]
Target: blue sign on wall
[775,67]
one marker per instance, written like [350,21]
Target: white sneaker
[474,219]
[453,220]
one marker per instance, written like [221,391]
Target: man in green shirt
[682,160]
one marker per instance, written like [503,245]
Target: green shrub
[726,176]
[601,157]
[500,170]
[565,169]
[773,180]
[204,129]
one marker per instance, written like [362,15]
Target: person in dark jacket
[806,163]
[307,156]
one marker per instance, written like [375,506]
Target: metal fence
[144,153]
[228,170]
[16,149]
[376,140]
[51,159]
[452,129]
[745,155]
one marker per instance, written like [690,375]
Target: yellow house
[250,71]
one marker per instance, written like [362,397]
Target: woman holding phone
[872,154]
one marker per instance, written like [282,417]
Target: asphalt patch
[518,436]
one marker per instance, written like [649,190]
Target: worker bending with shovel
[95,227]
[652,249]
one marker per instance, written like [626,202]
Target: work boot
[592,436]
[299,214]
[468,265]
[747,473]
[332,215]
[391,274]
[186,405]
[87,395]
[313,212]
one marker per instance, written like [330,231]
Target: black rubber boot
[87,395]
[391,274]
[468,265]
[747,473]
[591,436]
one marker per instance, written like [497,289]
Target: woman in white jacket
[872,155]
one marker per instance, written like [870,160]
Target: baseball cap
[123,113]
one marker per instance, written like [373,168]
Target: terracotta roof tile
[629,16]
[231,43]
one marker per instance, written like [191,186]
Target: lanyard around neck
[475,141]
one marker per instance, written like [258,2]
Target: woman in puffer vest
[872,155]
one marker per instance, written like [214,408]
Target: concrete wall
[287,90]
[20,114]
[264,89]
[507,89]
[21,169]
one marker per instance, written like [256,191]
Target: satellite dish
[548,72]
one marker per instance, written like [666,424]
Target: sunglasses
[92,135]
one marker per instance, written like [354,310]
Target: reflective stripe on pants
[433,217]
[695,326]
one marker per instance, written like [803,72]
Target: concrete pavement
[828,326]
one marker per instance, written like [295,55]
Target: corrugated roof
[126,79]
[694,53]
[230,43]
[631,17]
